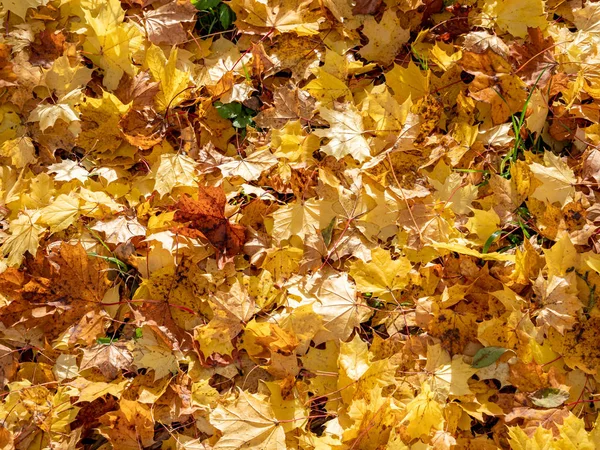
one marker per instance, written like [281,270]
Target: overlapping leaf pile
[323,225]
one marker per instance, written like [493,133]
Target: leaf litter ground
[321,225]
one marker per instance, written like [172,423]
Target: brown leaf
[139,90]
[289,103]
[83,283]
[366,7]
[90,412]
[535,59]
[494,83]
[164,25]
[528,377]
[109,359]
[46,48]
[129,428]
[205,217]
[7,76]
[261,63]
[8,365]
[142,128]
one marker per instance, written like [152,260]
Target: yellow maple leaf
[109,41]
[386,38]
[424,414]
[327,88]
[382,275]
[285,16]
[301,218]
[152,352]
[21,151]
[173,81]
[514,16]
[20,7]
[62,78]
[61,213]
[248,422]
[339,307]
[483,224]
[24,237]
[174,170]
[100,118]
[408,82]
[557,179]
[559,302]
[345,133]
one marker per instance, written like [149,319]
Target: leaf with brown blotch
[47,47]
[129,428]
[205,218]
[143,128]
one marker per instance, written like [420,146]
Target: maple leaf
[20,7]
[206,218]
[248,422]
[173,81]
[120,229]
[249,168]
[381,275]
[47,115]
[339,306]
[345,133]
[327,88]
[173,170]
[559,302]
[21,151]
[556,177]
[109,359]
[129,427]
[424,413]
[494,83]
[515,16]
[288,104]
[386,38]
[284,16]
[301,219]
[165,24]
[154,351]
[61,213]
[24,237]
[400,78]
[100,118]
[63,78]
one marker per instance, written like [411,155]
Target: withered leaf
[205,218]
[46,48]
[366,7]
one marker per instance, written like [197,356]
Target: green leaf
[549,397]
[104,340]
[490,241]
[242,121]
[487,356]
[228,110]
[327,233]
[226,15]
[203,5]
